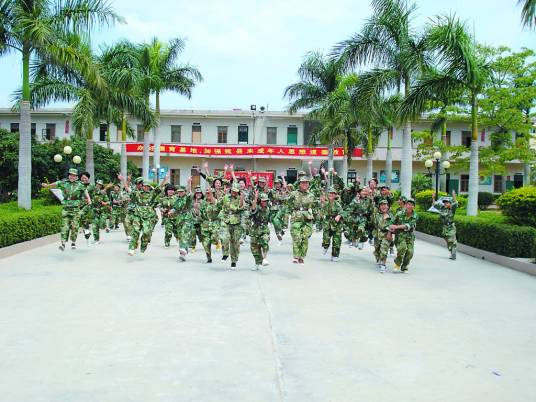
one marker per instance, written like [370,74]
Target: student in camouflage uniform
[260,230]
[331,211]
[196,219]
[447,209]
[73,193]
[277,196]
[117,199]
[100,203]
[231,211]
[382,235]
[356,216]
[131,205]
[86,210]
[166,203]
[302,203]
[404,223]
[210,222]
[181,213]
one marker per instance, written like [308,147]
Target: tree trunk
[145,158]
[406,164]
[24,189]
[370,155]
[330,164]
[526,174]
[472,201]
[344,173]
[389,158]
[124,146]
[90,163]
[108,135]
[444,156]
[156,134]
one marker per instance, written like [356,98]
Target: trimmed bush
[508,240]
[519,205]
[420,182]
[424,198]
[19,226]
[484,200]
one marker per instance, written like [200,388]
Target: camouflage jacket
[381,224]
[231,210]
[402,218]
[73,193]
[329,211]
[260,219]
[182,208]
[301,204]
[357,210]
[209,213]
[447,215]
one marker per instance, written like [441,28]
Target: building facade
[266,141]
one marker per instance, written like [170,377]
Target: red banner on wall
[260,151]
[269,176]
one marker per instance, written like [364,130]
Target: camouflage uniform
[117,199]
[449,227]
[231,213]
[73,193]
[99,203]
[331,230]
[260,231]
[86,212]
[210,225]
[196,220]
[381,231]
[166,203]
[302,204]
[277,198]
[143,217]
[356,218]
[182,216]
[405,239]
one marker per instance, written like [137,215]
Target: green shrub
[424,198]
[420,182]
[484,200]
[519,205]
[504,239]
[17,225]
[396,194]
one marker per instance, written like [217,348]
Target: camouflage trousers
[260,244]
[333,236]
[86,216]
[98,223]
[106,216]
[118,216]
[449,234]
[300,233]
[357,231]
[196,234]
[70,220]
[127,223]
[140,226]
[230,240]
[381,247]
[169,230]
[210,235]
[183,232]
[276,216]
[404,250]
[245,223]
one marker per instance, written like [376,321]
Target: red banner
[261,151]
[269,176]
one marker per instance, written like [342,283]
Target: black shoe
[62,247]
[233,266]
[209,260]
[73,246]
[224,258]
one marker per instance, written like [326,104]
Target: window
[14,127]
[243,134]
[466,138]
[175,176]
[464,183]
[33,129]
[292,175]
[196,177]
[518,180]
[50,131]
[448,137]
[196,133]
[176,134]
[497,184]
[140,130]
[271,135]
[102,132]
[292,135]
[222,134]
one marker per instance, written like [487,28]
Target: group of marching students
[232,208]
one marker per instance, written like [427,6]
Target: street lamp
[429,163]
[67,150]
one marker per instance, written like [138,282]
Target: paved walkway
[97,325]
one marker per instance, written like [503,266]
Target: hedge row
[508,240]
[22,226]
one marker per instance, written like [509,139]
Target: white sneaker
[96,242]
[361,246]
[256,268]
[131,252]
[382,268]
[88,242]
[86,232]
[265,262]
[166,246]
[129,238]
[279,243]
[325,251]
[242,241]
[73,246]
[350,244]
[295,261]
[334,259]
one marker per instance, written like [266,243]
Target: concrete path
[96,325]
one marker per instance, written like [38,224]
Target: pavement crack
[275,351]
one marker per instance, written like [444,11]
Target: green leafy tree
[528,13]
[41,28]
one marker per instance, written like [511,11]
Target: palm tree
[461,70]
[388,42]
[319,77]
[160,73]
[39,28]
[528,13]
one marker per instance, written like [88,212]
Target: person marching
[356,217]
[331,211]
[301,204]
[382,236]
[181,213]
[447,208]
[232,207]
[166,203]
[210,222]
[277,196]
[404,223]
[117,199]
[131,204]
[260,230]
[196,219]
[100,203]
[73,193]
[86,211]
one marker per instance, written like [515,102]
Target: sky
[249,51]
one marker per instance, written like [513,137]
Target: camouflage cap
[410,201]
[278,181]
[350,186]
[446,199]
[181,188]
[209,190]
[332,190]
[384,186]
[226,181]
[262,179]
[100,182]
[263,197]
[301,173]
[170,187]
[198,190]
[73,171]
[383,202]
[235,187]
[304,179]
[290,186]
[138,180]
[403,198]
[147,183]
